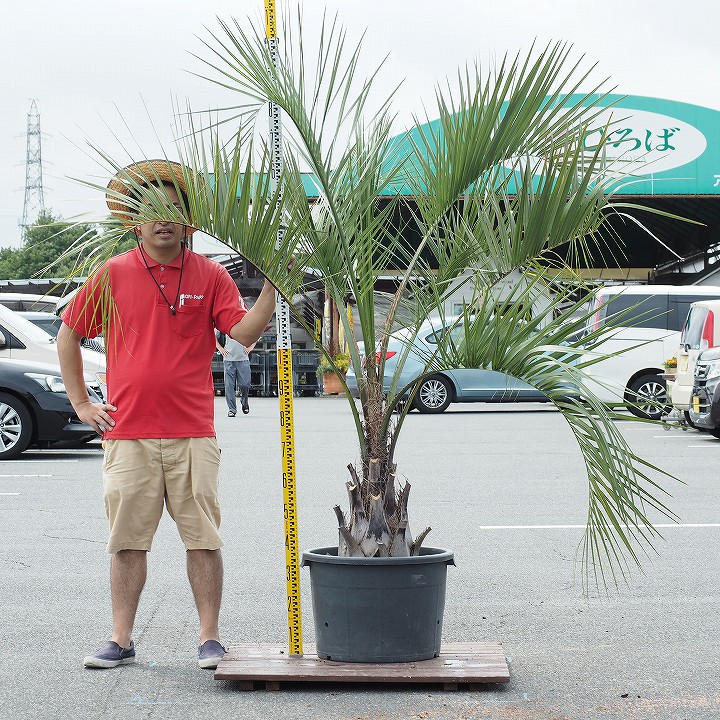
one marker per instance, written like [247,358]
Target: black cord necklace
[177,294]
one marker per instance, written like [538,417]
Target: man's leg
[230,386]
[244,380]
[205,572]
[128,571]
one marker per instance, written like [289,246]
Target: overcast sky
[99,70]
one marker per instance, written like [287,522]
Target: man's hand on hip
[96,415]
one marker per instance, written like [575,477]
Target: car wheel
[648,397]
[433,395]
[15,427]
[689,421]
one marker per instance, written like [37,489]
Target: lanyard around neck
[172,305]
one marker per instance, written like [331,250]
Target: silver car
[437,391]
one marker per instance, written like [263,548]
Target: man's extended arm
[251,327]
[71,365]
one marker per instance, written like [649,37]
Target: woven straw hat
[145,173]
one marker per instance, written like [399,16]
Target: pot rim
[329,555]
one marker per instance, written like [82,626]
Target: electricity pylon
[34,200]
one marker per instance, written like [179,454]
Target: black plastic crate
[258,372]
[218,373]
[305,379]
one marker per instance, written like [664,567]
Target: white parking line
[25,462]
[9,493]
[582,527]
[25,476]
[709,443]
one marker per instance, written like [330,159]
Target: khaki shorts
[142,476]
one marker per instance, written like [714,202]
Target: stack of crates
[271,373]
[264,372]
[305,379]
[218,373]
[258,372]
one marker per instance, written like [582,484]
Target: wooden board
[269,664]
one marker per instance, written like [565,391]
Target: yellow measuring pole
[285,379]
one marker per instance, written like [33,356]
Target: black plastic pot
[378,609]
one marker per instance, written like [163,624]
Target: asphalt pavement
[502,486]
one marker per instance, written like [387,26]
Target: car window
[50,325]
[643,311]
[524,312]
[33,333]
[11,342]
[679,308]
[456,333]
[694,328]
[31,305]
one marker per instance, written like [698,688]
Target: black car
[705,400]
[35,410]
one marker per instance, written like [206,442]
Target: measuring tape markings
[285,379]
[292,574]
[270,20]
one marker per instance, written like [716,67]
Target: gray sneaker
[210,653]
[111,655]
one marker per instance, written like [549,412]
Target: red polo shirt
[158,364]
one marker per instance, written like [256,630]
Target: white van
[700,332]
[648,333]
[22,340]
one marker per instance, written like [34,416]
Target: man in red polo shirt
[158,306]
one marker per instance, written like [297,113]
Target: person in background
[236,364]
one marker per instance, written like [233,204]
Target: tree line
[47,242]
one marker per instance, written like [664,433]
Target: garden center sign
[670,148]
[665,147]
[665,152]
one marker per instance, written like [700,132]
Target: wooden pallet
[268,665]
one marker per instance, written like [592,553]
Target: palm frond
[497,184]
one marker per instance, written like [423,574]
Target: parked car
[700,330]
[50,323]
[35,410]
[648,319]
[30,301]
[21,339]
[436,392]
[705,401]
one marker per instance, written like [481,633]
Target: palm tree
[498,185]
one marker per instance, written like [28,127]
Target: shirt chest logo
[190,300]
